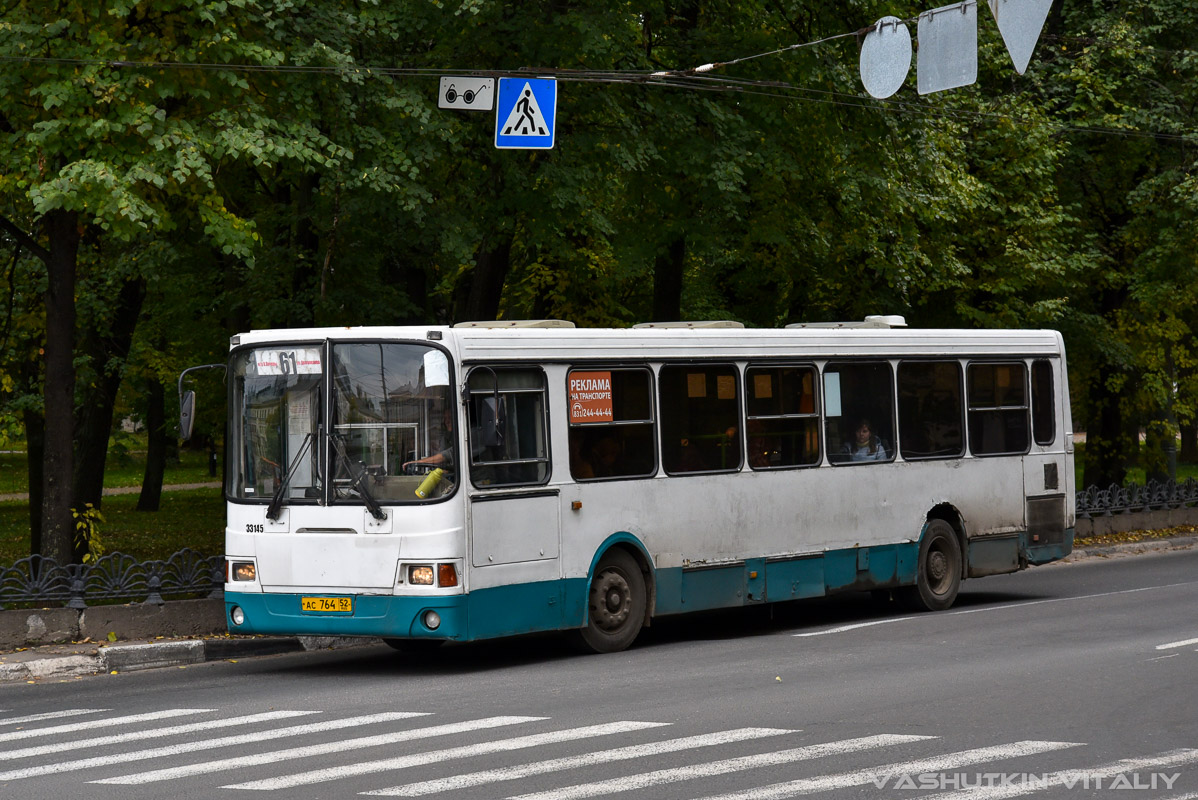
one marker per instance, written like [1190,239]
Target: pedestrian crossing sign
[525,112]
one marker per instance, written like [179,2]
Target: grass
[125,467]
[194,518]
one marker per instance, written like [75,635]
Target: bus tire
[615,605]
[938,576]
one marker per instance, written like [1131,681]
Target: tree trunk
[151,482]
[108,351]
[479,294]
[1189,444]
[35,451]
[667,282]
[58,526]
[1106,440]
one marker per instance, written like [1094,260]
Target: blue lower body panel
[373,615]
[562,604]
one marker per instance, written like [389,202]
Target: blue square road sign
[525,113]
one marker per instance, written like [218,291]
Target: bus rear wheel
[938,578]
[615,605]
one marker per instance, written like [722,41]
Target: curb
[133,657]
[153,655]
[1132,548]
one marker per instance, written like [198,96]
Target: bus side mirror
[187,408]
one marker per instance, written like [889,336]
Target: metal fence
[113,578]
[121,578]
[1133,498]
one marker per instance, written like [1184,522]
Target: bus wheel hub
[613,601]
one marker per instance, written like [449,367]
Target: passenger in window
[605,457]
[864,445]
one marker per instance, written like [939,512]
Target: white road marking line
[70,712]
[110,722]
[205,744]
[153,733]
[658,777]
[1063,777]
[844,780]
[853,627]
[459,782]
[432,757]
[1162,658]
[412,734]
[843,628]
[1171,645]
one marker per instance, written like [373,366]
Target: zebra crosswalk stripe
[414,734]
[658,777]
[204,744]
[70,712]
[843,780]
[110,722]
[459,782]
[152,733]
[1064,777]
[432,757]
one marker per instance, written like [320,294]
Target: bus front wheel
[615,604]
[939,573]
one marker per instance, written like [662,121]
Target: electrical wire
[693,79]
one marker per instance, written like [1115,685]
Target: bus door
[513,516]
[1045,480]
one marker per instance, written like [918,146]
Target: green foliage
[300,173]
[87,532]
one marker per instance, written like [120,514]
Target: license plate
[337,605]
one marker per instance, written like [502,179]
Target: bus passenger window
[998,410]
[611,424]
[858,412]
[1043,418]
[700,418]
[508,427]
[931,411]
[782,426]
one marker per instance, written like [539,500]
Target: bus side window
[700,418]
[782,426]
[859,412]
[998,409]
[1043,418]
[612,431]
[508,427]
[931,412]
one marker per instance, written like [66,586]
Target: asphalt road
[1046,684]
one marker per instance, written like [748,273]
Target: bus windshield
[376,417]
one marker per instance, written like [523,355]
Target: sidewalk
[65,661]
[174,487]
[76,659]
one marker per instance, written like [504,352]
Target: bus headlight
[244,571]
[420,576]
[432,620]
[237,615]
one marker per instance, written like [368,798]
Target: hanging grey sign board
[885,57]
[948,48]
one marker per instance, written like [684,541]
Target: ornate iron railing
[1133,498]
[114,577]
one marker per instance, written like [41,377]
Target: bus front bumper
[371,615]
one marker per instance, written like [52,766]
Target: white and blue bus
[425,484]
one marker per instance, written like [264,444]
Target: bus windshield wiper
[359,473]
[276,502]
